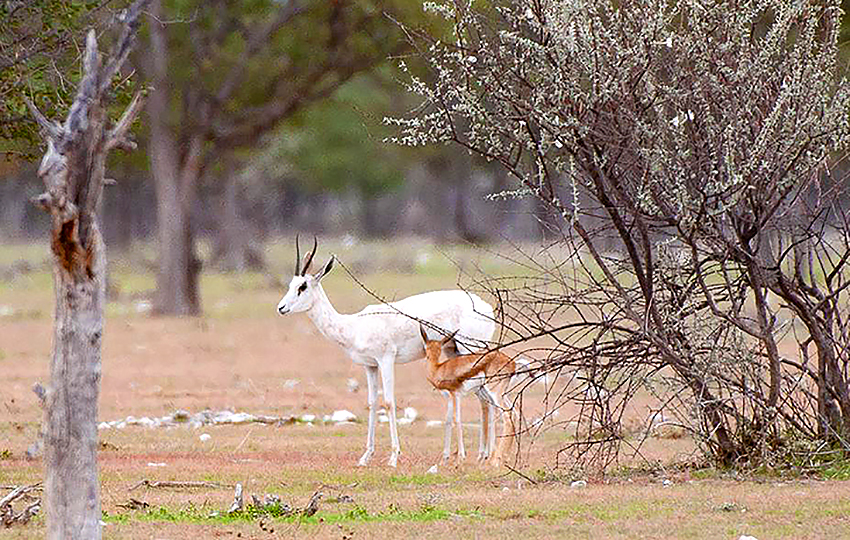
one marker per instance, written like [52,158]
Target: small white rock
[506,488]
[404,421]
[383,418]
[410,412]
[103,425]
[308,418]
[156,464]
[433,423]
[578,484]
[205,437]
[747,537]
[343,416]
[289,384]
[667,483]
[353,385]
[432,470]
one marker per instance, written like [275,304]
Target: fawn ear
[423,333]
[449,346]
[448,338]
[324,271]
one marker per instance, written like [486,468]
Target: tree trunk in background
[179,267]
[73,173]
[176,179]
[234,249]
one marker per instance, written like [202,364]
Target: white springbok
[490,375]
[382,335]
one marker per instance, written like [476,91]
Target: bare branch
[117,136]
[53,129]
[256,42]
[130,18]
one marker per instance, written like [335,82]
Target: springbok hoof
[393,461]
[364,460]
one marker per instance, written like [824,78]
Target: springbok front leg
[372,386]
[387,367]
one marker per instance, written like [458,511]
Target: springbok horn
[297,257]
[309,259]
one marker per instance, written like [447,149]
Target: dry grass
[244,357]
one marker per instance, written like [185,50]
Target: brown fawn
[489,375]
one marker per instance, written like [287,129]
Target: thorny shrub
[693,154]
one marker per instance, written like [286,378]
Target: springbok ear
[423,333]
[449,347]
[448,338]
[324,271]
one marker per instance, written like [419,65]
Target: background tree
[73,173]
[691,151]
[223,75]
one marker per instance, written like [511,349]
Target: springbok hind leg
[387,367]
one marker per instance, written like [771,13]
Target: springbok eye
[302,288]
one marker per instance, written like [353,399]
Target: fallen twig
[134,504]
[17,492]
[33,487]
[8,517]
[520,474]
[176,484]
[312,506]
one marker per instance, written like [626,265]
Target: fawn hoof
[393,461]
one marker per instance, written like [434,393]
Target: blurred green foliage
[337,144]
[40,46]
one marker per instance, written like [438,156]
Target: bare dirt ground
[242,356]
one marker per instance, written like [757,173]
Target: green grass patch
[837,470]
[282,514]
[418,480]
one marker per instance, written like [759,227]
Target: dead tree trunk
[73,173]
